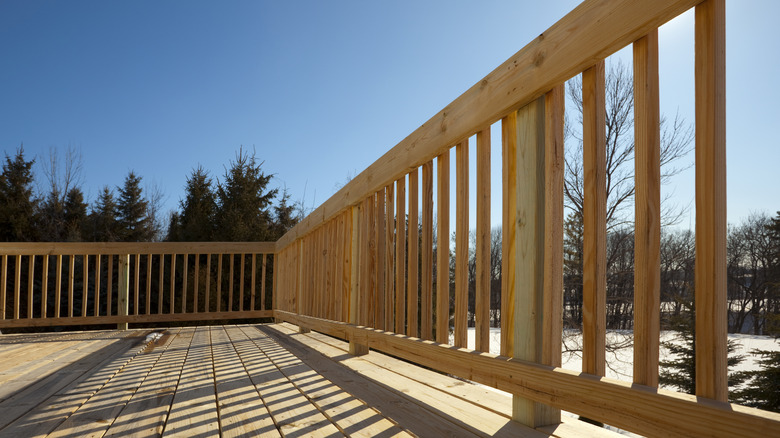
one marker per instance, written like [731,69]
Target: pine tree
[75,215]
[132,211]
[286,215]
[103,218]
[198,209]
[243,201]
[763,386]
[17,204]
[680,371]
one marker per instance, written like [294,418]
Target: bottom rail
[135,319]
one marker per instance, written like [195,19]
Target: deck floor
[245,380]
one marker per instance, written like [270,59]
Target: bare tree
[676,142]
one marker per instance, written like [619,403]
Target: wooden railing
[362,266]
[49,284]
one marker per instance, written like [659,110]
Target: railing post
[124,288]
[355,301]
[539,246]
[299,293]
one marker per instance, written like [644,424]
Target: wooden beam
[647,235]
[136,319]
[93,248]
[710,275]
[594,274]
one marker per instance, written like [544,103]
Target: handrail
[592,31]
[68,283]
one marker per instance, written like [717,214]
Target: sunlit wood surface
[231,381]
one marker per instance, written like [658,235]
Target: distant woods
[50,206]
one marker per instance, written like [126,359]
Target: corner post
[124,289]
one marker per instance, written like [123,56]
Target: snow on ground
[620,361]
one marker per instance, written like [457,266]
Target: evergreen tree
[286,215]
[198,209]
[680,370]
[75,215]
[17,204]
[763,387]
[105,227]
[243,200]
[132,212]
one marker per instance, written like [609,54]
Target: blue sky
[319,89]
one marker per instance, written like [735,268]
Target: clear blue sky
[319,89]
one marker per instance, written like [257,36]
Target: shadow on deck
[241,380]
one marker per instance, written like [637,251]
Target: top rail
[589,33]
[94,248]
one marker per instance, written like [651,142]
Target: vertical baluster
[400,254]
[426,289]
[137,287]
[123,286]
[148,284]
[84,293]
[30,283]
[109,284]
[355,348]
[97,285]
[482,256]
[594,241]
[443,248]
[509,219]
[3,286]
[389,251]
[58,287]
[171,293]
[461,243]
[160,285]
[230,283]
[185,269]
[262,282]
[219,283]
[241,285]
[17,285]
[195,289]
[710,271]
[380,238]
[44,286]
[647,235]
[252,289]
[71,268]
[207,298]
[413,260]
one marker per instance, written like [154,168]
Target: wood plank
[95,416]
[137,285]
[463,414]
[350,415]
[461,244]
[3,286]
[219,283]
[84,293]
[18,283]
[710,271]
[71,272]
[145,413]
[109,284]
[194,407]
[292,412]
[509,219]
[647,234]
[44,286]
[161,285]
[184,270]
[636,408]
[262,283]
[148,291]
[241,285]
[207,298]
[252,283]
[241,410]
[115,319]
[426,288]
[97,285]
[412,288]
[482,250]
[195,288]
[594,240]
[230,283]
[48,403]
[30,284]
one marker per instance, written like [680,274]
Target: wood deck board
[40,408]
[351,415]
[242,380]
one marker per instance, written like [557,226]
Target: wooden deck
[243,380]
